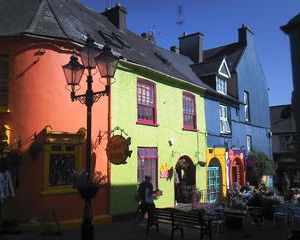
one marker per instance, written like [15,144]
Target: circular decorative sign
[117,149]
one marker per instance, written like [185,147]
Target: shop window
[62,164]
[146,102]
[63,156]
[189,111]
[147,164]
[4,75]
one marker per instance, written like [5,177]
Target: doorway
[237,173]
[214,181]
[184,180]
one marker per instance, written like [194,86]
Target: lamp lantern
[73,72]
[88,53]
[107,62]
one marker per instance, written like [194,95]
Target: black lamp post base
[87,231]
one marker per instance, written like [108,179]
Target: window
[247,106]
[286,143]
[221,85]
[62,155]
[147,164]
[146,101]
[224,123]
[62,163]
[189,111]
[4,70]
[249,143]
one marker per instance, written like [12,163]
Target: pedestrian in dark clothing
[146,196]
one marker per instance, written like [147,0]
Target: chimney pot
[245,35]
[192,46]
[117,16]
[174,49]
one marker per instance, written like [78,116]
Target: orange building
[34,101]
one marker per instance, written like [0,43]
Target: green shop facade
[164,117]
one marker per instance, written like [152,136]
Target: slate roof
[70,20]
[282,120]
[207,68]
[212,59]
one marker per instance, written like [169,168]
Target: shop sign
[117,149]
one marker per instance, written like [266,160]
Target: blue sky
[219,20]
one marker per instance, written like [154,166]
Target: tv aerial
[180,19]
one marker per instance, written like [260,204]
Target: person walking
[146,197]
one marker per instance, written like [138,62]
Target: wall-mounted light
[201,163]
[171,142]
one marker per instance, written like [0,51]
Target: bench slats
[179,219]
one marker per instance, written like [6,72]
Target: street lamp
[106,63]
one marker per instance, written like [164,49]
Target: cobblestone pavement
[129,230]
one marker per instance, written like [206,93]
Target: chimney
[148,36]
[174,49]
[192,46]
[245,35]
[117,16]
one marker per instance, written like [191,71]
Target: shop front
[216,180]
[184,179]
[236,174]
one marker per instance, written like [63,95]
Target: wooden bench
[179,220]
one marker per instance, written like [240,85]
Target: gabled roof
[72,21]
[212,59]
[231,52]
[207,68]
[282,120]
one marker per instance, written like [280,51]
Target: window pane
[147,164]
[61,169]
[189,111]
[146,101]
[56,148]
[70,148]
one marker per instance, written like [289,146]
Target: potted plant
[88,186]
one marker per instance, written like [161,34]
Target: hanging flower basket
[89,191]
[88,186]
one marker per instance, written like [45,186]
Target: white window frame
[247,106]
[221,85]
[224,123]
[249,143]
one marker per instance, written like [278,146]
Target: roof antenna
[107,4]
[180,18]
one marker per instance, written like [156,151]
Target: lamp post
[106,62]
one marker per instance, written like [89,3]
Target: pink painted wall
[37,97]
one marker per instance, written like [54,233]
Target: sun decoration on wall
[165,170]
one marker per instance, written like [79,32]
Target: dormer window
[222,78]
[221,85]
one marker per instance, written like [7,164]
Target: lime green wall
[170,120]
